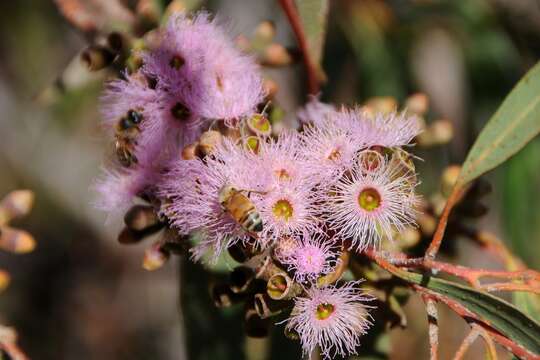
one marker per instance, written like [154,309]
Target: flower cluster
[190,76]
[342,183]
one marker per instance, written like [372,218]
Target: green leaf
[497,313]
[528,303]
[514,124]
[313,14]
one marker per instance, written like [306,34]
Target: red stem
[454,197]
[294,19]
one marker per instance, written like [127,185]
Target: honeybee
[240,208]
[126,132]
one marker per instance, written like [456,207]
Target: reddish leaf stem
[291,11]
[459,309]
[472,276]
[452,200]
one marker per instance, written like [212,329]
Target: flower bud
[175,6]
[276,55]
[437,133]
[155,257]
[417,104]
[265,31]
[5,279]
[97,57]
[16,204]
[382,104]
[208,141]
[427,224]
[408,237]
[243,43]
[16,241]
[270,88]
[190,152]
[449,178]
[141,217]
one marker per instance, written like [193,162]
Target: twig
[462,311]
[473,276]
[453,199]
[510,287]
[491,352]
[290,10]
[476,331]
[433,321]
[467,342]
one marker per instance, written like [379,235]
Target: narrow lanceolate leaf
[497,313]
[313,14]
[514,124]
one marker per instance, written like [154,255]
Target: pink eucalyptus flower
[380,129]
[366,205]
[117,189]
[311,258]
[329,151]
[192,189]
[197,62]
[287,210]
[284,159]
[333,318]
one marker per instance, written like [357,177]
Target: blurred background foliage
[80,295]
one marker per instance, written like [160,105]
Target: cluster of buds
[192,141]
[15,205]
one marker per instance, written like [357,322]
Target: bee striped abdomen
[253,222]
[244,212]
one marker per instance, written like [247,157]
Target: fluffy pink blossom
[333,318]
[329,150]
[316,112]
[192,188]
[311,257]
[117,189]
[366,205]
[284,159]
[379,129]
[197,62]
[287,209]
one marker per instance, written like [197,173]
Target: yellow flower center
[335,154]
[283,209]
[369,199]
[324,311]
[282,174]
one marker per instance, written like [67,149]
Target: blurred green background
[81,295]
